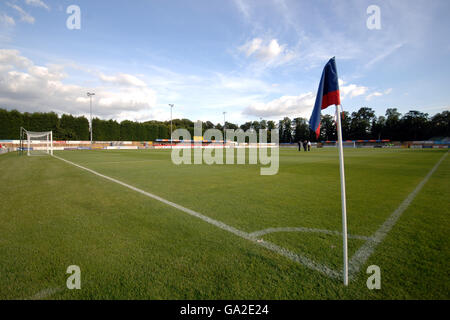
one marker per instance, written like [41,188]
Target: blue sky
[251,59]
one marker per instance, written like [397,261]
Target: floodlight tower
[171,107]
[90,94]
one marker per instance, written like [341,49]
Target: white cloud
[251,46]
[37,3]
[378,94]
[243,8]
[305,30]
[298,106]
[12,58]
[385,53]
[373,94]
[262,51]
[29,87]
[49,73]
[6,20]
[206,97]
[351,90]
[123,80]
[269,52]
[24,16]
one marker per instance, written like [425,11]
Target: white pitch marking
[358,259]
[303,229]
[45,293]
[273,247]
[362,255]
[124,161]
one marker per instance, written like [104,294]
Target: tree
[285,130]
[361,123]
[392,126]
[263,124]
[440,125]
[151,131]
[415,126]
[208,125]
[73,128]
[112,130]
[301,129]
[246,126]
[10,123]
[127,130]
[346,123]
[271,125]
[327,128]
[378,127]
[163,132]
[256,125]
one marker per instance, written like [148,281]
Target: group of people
[306,145]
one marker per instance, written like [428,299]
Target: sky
[251,59]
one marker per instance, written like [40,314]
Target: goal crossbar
[37,143]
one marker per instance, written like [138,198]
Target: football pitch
[141,227]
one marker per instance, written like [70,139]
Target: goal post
[349,144]
[37,143]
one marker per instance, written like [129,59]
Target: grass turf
[130,246]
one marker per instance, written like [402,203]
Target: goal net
[36,143]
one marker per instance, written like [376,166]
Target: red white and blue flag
[327,95]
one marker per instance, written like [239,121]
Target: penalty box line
[244,235]
[366,250]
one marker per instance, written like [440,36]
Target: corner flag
[327,95]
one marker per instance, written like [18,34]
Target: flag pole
[343,203]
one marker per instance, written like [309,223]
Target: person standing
[299,145]
[309,145]
[304,145]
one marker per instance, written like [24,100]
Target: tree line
[361,124]
[364,124]
[68,127]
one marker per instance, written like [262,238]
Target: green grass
[129,246]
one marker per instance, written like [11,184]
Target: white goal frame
[45,143]
[349,144]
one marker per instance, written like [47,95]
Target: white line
[124,161]
[303,229]
[362,255]
[282,251]
[45,293]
